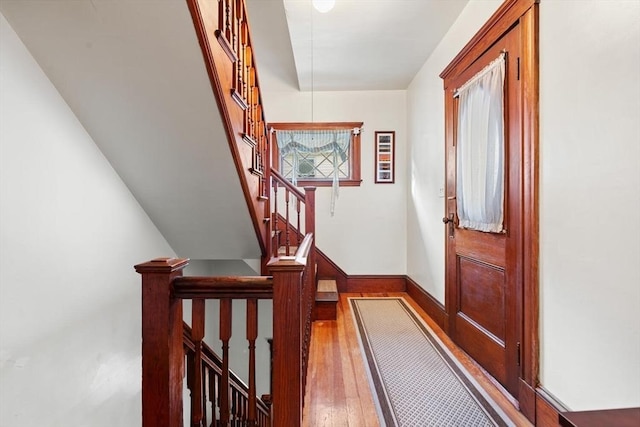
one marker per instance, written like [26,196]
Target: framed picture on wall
[385,157]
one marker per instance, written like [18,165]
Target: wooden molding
[226,46]
[503,18]
[239,99]
[355,156]
[327,269]
[548,409]
[527,400]
[376,283]
[428,303]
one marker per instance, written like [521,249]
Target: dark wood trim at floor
[428,303]
[376,283]
[548,409]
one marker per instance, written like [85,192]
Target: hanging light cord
[312,65]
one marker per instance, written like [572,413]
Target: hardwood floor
[338,393]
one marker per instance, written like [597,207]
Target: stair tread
[327,291]
[325,285]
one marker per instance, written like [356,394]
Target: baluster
[237,18]
[190,367]
[286,230]
[252,335]
[255,96]
[298,225]
[227,20]
[225,336]
[221,15]
[245,53]
[310,227]
[234,407]
[197,334]
[205,394]
[213,397]
[275,237]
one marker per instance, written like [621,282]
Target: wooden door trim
[510,13]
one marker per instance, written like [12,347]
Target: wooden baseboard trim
[428,303]
[375,283]
[327,269]
[548,409]
[527,400]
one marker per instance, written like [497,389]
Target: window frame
[354,180]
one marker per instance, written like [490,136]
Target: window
[317,154]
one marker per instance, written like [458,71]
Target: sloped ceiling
[133,74]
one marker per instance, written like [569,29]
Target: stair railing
[222,28]
[163,343]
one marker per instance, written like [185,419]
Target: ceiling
[358,45]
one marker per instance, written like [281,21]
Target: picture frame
[385,157]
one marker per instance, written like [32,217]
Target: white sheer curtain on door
[480,150]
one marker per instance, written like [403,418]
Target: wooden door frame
[510,13]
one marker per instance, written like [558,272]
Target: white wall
[590,201]
[425,165]
[589,192]
[70,235]
[367,232]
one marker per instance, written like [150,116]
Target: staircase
[283,218]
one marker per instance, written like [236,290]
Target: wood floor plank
[338,392]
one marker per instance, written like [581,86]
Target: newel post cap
[162,265]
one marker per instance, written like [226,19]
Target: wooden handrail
[234,287]
[287,184]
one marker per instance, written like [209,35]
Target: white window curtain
[334,142]
[480,150]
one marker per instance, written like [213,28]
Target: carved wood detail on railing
[222,27]
[218,398]
[234,36]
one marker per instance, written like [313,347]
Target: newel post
[310,227]
[162,348]
[287,379]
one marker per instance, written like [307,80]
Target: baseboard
[527,400]
[327,269]
[428,303]
[547,409]
[376,283]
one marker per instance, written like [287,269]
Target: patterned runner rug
[417,380]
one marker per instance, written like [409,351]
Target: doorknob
[449,220]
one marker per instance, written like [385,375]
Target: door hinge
[519,354]
[518,67]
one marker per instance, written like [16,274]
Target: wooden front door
[484,270]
